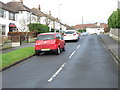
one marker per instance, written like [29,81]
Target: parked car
[71,35]
[49,42]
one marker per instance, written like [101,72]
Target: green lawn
[14,56]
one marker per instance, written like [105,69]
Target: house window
[2,13]
[12,16]
[3,29]
[12,27]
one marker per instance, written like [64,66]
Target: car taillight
[74,34]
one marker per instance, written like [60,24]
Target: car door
[60,40]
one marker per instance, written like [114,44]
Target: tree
[23,27]
[47,21]
[114,19]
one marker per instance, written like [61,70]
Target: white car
[71,35]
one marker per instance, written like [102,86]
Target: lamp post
[59,14]
[59,10]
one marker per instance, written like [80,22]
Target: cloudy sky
[72,11]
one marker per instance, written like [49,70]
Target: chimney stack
[39,8]
[50,13]
[21,1]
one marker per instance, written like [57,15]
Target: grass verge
[15,56]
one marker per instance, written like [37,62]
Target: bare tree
[47,21]
[24,26]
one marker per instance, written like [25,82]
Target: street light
[59,10]
[59,15]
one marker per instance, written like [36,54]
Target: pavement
[112,45]
[18,47]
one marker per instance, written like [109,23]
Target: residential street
[85,64]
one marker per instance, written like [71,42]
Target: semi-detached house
[7,19]
[15,16]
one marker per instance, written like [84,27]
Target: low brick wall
[115,33]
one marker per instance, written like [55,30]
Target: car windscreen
[70,32]
[45,37]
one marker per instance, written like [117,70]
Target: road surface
[85,64]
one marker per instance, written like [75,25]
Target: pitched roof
[103,25]
[50,17]
[2,5]
[93,26]
[5,7]
[37,12]
[17,6]
[82,26]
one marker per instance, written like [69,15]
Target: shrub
[39,28]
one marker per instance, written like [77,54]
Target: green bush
[39,28]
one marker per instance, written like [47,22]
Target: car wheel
[37,53]
[76,40]
[58,51]
[63,48]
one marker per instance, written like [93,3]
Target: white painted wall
[5,21]
[42,20]
[23,19]
[95,30]
[63,28]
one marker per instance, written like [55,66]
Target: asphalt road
[84,64]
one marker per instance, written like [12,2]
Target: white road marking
[56,73]
[78,46]
[72,54]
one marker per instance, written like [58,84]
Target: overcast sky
[72,11]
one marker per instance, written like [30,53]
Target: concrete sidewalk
[15,48]
[112,46]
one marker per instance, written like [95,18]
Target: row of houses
[93,28]
[15,16]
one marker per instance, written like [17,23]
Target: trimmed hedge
[82,30]
[39,28]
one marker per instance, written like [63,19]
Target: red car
[52,42]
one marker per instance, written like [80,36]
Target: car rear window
[45,37]
[70,32]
